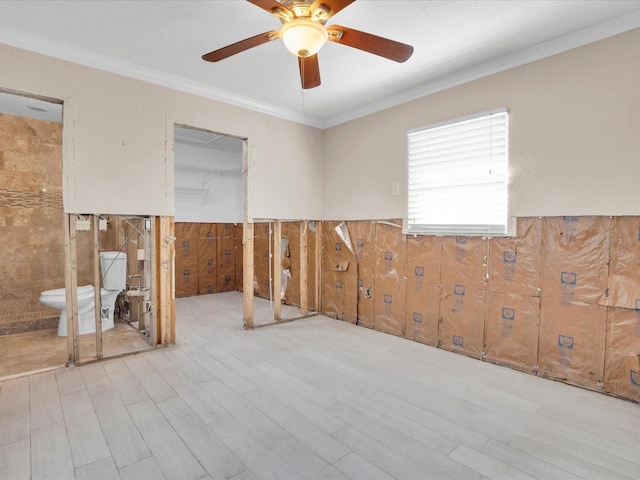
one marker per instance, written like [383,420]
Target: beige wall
[574,137]
[574,122]
[118,141]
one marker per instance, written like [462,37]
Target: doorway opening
[209,212]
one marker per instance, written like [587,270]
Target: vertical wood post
[304,298]
[145,323]
[165,279]
[97,284]
[154,287]
[318,270]
[71,287]
[247,273]
[171,293]
[277,270]
[162,280]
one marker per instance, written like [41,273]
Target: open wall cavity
[209,212]
[53,278]
[560,300]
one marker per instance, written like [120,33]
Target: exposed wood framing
[318,269]
[247,273]
[277,270]
[71,287]
[172,285]
[154,286]
[304,298]
[144,323]
[96,284]
[165,298]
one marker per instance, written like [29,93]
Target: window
[458,176]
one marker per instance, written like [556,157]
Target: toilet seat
[82,291]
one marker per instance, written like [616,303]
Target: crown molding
[561,44]
[552,47]
[83,57]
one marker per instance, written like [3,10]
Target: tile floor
[310,399]
[42,349]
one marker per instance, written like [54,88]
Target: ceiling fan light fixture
[303,37]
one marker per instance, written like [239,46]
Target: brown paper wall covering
[291,233]
[206,258]
[560,299]
[363,237]
[389,286]
[422,272]
[339,275]
[622,363]
[512,324]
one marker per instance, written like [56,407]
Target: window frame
[507,226]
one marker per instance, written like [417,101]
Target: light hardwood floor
[311,399]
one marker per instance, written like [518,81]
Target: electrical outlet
[395,188]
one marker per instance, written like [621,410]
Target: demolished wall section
[561,299]
[264,270]
[206,258]
[389,286]
[423,266]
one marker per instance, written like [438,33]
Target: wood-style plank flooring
[43,349]
[311,399]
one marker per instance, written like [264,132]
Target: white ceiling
[455,41]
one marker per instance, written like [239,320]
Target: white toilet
[114,280]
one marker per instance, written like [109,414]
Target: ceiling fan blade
[332,6]
[240,46]
[396,51]
[309,71]
[272,6]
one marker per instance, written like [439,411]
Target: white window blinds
[458,175]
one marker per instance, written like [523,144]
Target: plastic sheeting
[339,277]
[290,267]
[622,364]
[547,301]
[226,257]
[462,319]
[575,258]
[572,342]
[291,257]
[515,264]
[389,301]
[512,324]
[261,259]
[207,259]
[464,261]
[363,237]
[187,235]
[624,270]
[422,272]
[463,274]
[239,257]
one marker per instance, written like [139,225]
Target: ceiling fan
[303,33]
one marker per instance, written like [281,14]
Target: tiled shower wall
[31,221]
[561,300]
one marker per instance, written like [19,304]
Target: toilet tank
[114,270]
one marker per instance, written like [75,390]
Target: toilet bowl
[114,273]
[86,308]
